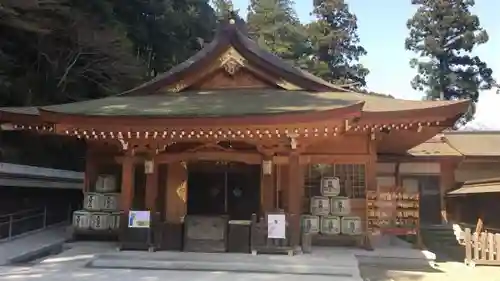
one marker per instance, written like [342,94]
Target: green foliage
[334,45]
[67,50]
[223,8]
[444,33]
[60,51]
[275,26]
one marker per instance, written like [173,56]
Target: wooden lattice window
[352,179]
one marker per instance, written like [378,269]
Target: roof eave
[347,112]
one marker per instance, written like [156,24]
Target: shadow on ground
[400,272]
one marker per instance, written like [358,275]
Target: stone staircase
[443,241]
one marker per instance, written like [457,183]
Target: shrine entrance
[223,188]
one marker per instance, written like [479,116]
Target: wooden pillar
[447,182]
[152,189]
[90,171]
[295,197]
[176,192]
[128,173]
[283,184]
[267,190]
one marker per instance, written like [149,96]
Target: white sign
[330,186]
[139,219]
[276,226]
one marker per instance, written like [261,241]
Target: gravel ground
[446,271]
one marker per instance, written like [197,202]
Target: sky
[382,30]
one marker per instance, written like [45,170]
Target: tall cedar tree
[444,33]
[275,26]
[334,44]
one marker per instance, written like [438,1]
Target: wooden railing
[481,248]
[27,221]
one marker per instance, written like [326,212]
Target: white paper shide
[330,186]
[276,226]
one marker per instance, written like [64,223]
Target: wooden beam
[325,159]
[249,158]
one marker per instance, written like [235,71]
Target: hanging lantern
[267,167]
[148,166]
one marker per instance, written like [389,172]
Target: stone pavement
[321,262]
[87,274]
[99,260]
[32,245]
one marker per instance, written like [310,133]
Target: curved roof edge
[450,110]
[349,111]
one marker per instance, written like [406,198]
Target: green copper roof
[209,104]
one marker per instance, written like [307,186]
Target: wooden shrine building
[235,130]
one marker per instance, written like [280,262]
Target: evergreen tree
[275,26]
[444,33]
[334,45]
[223,8]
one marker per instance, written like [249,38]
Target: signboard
[139,219]
[276,226]
[330,186]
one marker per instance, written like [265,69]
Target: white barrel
[310,224]
[81,219]
[330,186]
[330,225]
[320,206]
[92,201]
[99,182]
[351,225]
[99,221]
[340,206]
[110,201]
[114,220]
[106,183]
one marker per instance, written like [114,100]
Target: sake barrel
[106,183]
[99,221]
[330,225]
[310,224]
[114,220]
[340,206]
[320,206]
[109,184]
[330,186]
[98,184]
[92,201]
[351,225]
[81,219]
[110,201]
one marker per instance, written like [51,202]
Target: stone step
[255,267]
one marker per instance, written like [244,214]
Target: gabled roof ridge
[230,35]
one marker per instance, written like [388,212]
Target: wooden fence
[481,248]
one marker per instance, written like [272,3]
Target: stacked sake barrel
[330,213]
[101,210]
